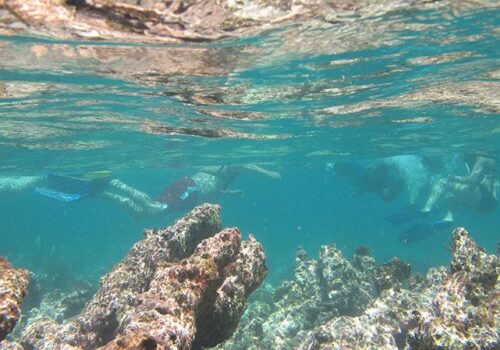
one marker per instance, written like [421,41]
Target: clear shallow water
[419,83]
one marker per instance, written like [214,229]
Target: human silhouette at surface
[380,179]
[477,191]
[386,177]
[182,194]
[186,192]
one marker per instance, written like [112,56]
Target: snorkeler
[183,193]
[383,178]
[476,191]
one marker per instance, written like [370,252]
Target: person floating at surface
[183,193]
[476,191]
[380,179]
[186,192]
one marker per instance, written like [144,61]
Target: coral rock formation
[322,289]
[13,286]
[455,308]
[392,274]
[181,287]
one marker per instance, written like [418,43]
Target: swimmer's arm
[212,170]
[258,169]
[481,168]
[474,177]
[216,170]
[238,193]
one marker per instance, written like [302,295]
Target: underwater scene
[249,174]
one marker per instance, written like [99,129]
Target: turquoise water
[294,100]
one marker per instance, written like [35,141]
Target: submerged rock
[56,304]
[392,274]
[13,286]
[181,287]
[321,289]
[455,308]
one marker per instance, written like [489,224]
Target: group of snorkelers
[475,188]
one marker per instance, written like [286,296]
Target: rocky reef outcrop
[321,290]
[13,286]
[181,287]
[455,308]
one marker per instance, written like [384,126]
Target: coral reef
[13,286]
[181,287]
[11,345]
[55,304]
[455,308]
[392,274]
[322,289]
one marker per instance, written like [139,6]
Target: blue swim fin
[422,230]
[58,195]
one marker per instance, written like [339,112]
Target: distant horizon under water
[371,126]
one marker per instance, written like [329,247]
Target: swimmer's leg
[17,184]
[138,199]
[437,193]
[124,202]
[154,207]
[448,217]
[134,193]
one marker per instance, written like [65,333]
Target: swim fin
[58,195]
[422,230]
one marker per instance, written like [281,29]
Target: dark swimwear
[180,194]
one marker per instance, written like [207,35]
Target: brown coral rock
[194,298]
[13,286]
[180,287]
